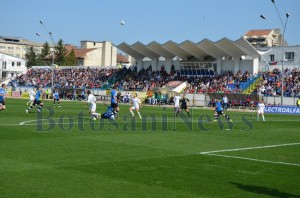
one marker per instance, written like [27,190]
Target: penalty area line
[252,159]
[213,153]
[248,148]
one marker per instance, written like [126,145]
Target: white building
[272,57]
[10,66]
[17,47]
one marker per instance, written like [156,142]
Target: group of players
[181,104]
[35,100]
[113,109]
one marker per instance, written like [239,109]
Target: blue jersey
[56,95]
[109,113]
[2,94]
[38,95]
[219,106]
[113,95]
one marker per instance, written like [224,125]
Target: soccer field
[61,153]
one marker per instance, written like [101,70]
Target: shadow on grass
[263,190]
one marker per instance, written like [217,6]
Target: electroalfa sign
[283,110]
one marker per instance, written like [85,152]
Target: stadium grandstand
[223,67]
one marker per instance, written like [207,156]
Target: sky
[145,20]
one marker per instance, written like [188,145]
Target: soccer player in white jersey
[261,110]
[31,97]
[92,102]
[176,103]
[136,104]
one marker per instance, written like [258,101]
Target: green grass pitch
[159,156]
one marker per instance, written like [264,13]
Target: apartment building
[93,53]
[17,46]
[264,38]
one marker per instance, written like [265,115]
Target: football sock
[139,114]
[131,113]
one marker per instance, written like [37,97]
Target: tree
[45,57]
[60,53]
[71,59]
[31,57]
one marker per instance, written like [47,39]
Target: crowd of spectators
[271,83]
[226,82]
[129,79]
[66,78]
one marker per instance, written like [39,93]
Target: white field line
[159,119]
[212,153]
[29,122]
[22,123]
[256,160]
[249,148]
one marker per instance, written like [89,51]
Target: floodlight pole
[282,43]
[52,65]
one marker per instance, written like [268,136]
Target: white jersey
[260,107]
[92,102]
[32,95]
[136,102]
[91,99]
[176,100]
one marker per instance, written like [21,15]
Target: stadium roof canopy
[186,49]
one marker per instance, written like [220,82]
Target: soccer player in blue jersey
[37,101]
[109,114]
[56,98]
[113,99]
[219,111]
[2,97]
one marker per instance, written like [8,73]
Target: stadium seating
[199,81]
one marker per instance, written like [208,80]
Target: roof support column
[154,64]
[139,64]
[168,64]
[255,66]
[236,65]
[219,65]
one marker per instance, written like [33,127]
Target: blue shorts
[220,112]
[114,104]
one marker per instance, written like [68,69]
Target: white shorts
[260,111]
[135,108]
[93,107]
[31,99]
